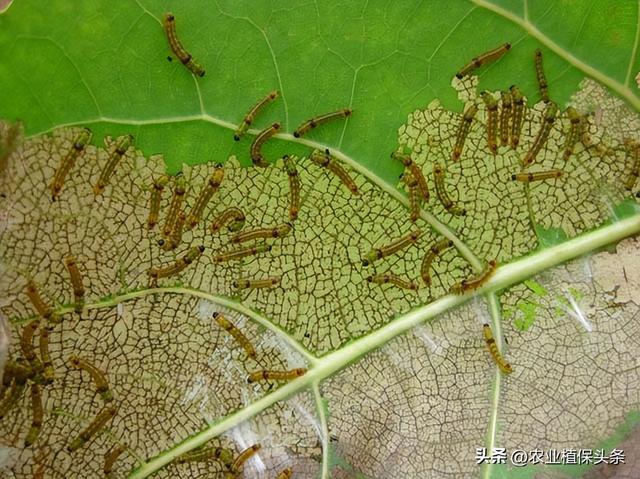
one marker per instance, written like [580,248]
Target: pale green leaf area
[396,383]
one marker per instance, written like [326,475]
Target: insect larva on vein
[121,148]
[310,124]
[156,197]
[505,117]
[485,58]
[238,335]
[249,283]
[37,416]
[326,160]
[176,267]
[267,375]
[76,282]
[256,154]
[48,373]
[176,47]
[221,454]
[243,457]
[518,115]
[476,282]
[294,185]
[111,457]
[98,377]
[416,172]
[179,190]
[234,216]
[173,241]
[436,250]
[504,366]
[279,231]
[285,473]
[66,163]
[543,134]
[633,149]
[576,126]
[95,426]
[492,121]
[44,310]
[443,196]
[388,278]
[412,192]
[391,248]
[543,86]
[463,130]
[241,253]
[213,184]
[537,176]
[251,115]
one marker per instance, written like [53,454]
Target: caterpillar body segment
[256,147]
[310,124]
[294,186]
[241,253]
[209,189]
[391,248]
[388,278]
[525,177]
[111,457]
[414,199]
[575,132]
[505,117]
[243,457]
[436,250]
[44,310]
[238,335]
[543,134]
[633,150]
[221,454]
[443,195]
[504,366]
[123,144]
[179,190]
[249,283]
[483,59]
[416,172]
[492,121]
[48,373]
[476,282]
[543,86]
[98,377]
[279,231]
[94,427]
[178,50]
[247,121]
[233,216]
[178,266]
[68,161]
[518,115]
[26,340]
[463,131]
[173,241]
[326,160]
[267,375]
[12,397]
[285,473]
[71,264]
[156,196]
[37,416]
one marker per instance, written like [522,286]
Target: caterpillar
[463,131]
[537,176]
[44,310]
[279,231]
[111,457]
[285,473]
[179,191]
[443,196]
[388,278]
[518,115]
[121,148]
[67,162]
[326,160]
[176,235]
[176,46]
[412,191]
[209,189]
[179,265]
[547,123]
[504,366]
[156,197]
[251,115]
[225,456]
[308,125]
[543,86]
[9,141]
[37,416]
[256,146]
[485,58]
[475,282]
[241,253]
[26,340]
[76,282]
[266,375]
[95,426]
[416,172]
[492,121]
[43,345]
[98,377]
[505,117]
[238,335]
[234,216]
[633,149]
[243,457]
[294,186]
[575,131]
[391,248]
[247,283]
[436,250]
